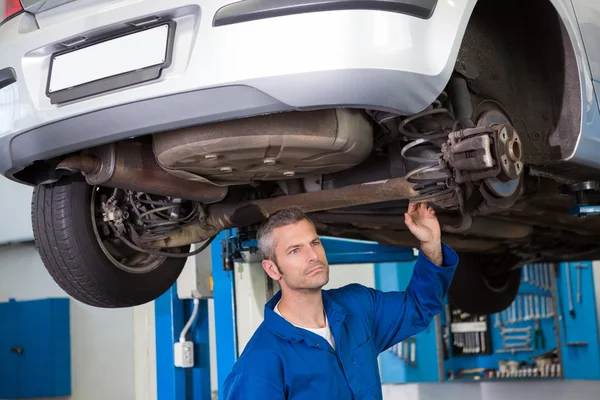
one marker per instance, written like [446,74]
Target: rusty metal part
[131,165]
[77,163]
[226,215]
[268,147]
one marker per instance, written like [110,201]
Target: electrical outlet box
[184,354]
[194,282]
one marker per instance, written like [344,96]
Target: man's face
[300,262]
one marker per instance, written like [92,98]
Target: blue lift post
[171,313]
[179,383]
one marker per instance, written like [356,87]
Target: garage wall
[16,201]
[102,340]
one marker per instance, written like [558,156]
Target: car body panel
[392,62]
[588,144]
[348,58]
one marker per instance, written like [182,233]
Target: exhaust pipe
[131,165]
[229,215]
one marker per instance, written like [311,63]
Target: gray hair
[264,236]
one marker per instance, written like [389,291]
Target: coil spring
[430,177]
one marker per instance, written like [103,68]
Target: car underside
[491,154]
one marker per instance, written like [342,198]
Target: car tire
[66,241]
[474,291]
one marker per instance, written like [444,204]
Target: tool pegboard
[549,332]
[521,341]
[578,319]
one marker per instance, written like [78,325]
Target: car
[148,127]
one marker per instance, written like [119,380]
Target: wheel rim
[120,255]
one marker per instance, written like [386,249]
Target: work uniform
[282,361]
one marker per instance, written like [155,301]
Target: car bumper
[366,58]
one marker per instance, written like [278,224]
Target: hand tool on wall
[569,292]
[579,268]
[539,341]
[544,311]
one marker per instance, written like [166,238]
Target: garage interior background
[113,353]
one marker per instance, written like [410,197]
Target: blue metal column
[181,383]
[224,298]
[198,378]
[168,315]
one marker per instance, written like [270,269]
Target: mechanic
[323,344]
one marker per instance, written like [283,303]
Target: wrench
[505,331]
[569,292]
[514,312]
[548,279]
[519,314]
[543,307]
[483,348]
[579,268]
[525,274]
[543,273]
[531,314]
[537,307]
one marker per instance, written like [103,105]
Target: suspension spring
[430,176]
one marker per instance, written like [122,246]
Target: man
[323,344]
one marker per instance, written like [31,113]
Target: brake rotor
[502,191]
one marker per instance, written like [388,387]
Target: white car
[148,125]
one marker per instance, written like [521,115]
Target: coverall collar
[282,328]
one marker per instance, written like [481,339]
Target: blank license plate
[113,57]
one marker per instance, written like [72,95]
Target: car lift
[171,313]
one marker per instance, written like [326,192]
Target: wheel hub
[108,220]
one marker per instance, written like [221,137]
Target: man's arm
[398,315]
[243,386]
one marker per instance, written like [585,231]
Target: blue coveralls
[284,362]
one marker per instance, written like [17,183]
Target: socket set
[526,307]
[470,333]
[525,371]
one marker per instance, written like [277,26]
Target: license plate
[117,62]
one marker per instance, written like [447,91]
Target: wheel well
[520,55]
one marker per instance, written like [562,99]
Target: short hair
[264,236]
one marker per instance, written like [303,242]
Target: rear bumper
[370,58]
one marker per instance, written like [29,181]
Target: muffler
[130,165]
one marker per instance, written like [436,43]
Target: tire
[473,291]
[66,241]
